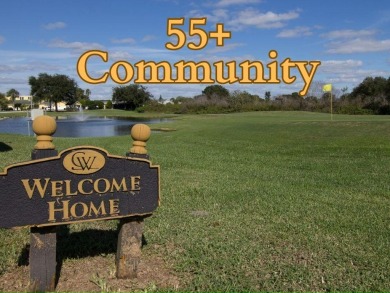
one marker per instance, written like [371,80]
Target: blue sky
[350,38]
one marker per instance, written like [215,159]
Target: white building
[26,102]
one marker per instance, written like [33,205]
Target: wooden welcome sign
[79,184]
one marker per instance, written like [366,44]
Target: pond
[79,125]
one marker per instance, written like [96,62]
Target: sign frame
[85,164]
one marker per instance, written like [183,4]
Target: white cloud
[332,66]
[148,38]
[237,20]
[120,55]
[348,72]
[82,46]
[33,66]
[217,15]
[2,39]
[135,54]
[220,14]
[54,25]
[295,32]
[13,56]
[251,17]
[358,46]
[7,81]
[223,3]
[355,41]
[123,41]
[353,78]
[225,48]
[348,34]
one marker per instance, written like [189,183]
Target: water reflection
[79,125]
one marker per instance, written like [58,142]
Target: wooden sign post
[128,253]
[79,184]
[43,240]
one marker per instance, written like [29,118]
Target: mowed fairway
[265,201]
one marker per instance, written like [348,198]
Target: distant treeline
[371,96]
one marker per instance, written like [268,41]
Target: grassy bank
[270,201]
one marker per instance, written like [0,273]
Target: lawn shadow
[76,245]
[5,147]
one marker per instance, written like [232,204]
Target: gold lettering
[114,72]
[135,181]
[194,76]
[154,70]
[82,66]
[114,206]
[273,68]
[306,74]
[56,188]
[116,187]
[68,190]
[231,71]
[259,73]
[286,64]
[96,185]
[37,185]
[101,210]
[84,209]
[64,210]
[80,186]
[200,72]
[59,188]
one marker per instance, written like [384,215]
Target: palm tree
[13,93]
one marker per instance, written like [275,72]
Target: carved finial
[140,134]
[44,127]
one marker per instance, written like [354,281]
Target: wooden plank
[42,261]
[43,247]
[129,253]
[43,154]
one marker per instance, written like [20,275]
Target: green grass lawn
[265,201]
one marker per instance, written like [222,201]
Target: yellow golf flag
[327,87]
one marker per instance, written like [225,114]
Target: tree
[82,97]
[13,93]
[3,102]
[242,100]
[371,94]
[344,90]
[54,88]
[131,96]
[109,105]
[370,88]
[88,92]
[18,106]
[315,89]
[93,104]
[267,96]
[180,100]
[216,91]
[80,94]
[388,89]
[160,100]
